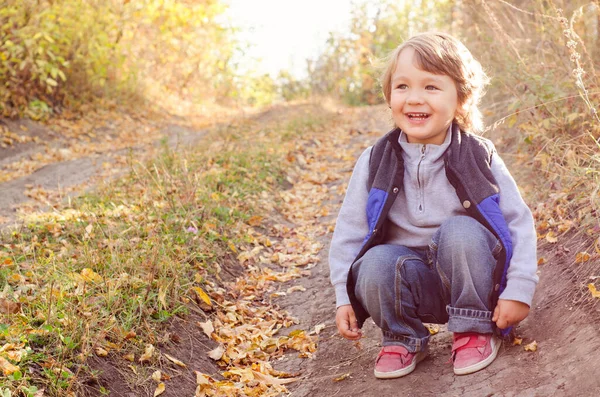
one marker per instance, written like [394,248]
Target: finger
[353,323]
[496,314]
[502,322]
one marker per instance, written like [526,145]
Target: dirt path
[566,333]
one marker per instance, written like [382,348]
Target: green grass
[124,259]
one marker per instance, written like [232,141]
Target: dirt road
[566,331]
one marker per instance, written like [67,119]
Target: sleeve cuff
[520,290]
[341,295]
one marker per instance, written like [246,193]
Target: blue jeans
[451,281]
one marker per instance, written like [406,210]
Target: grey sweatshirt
[426,200]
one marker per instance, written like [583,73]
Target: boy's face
[423,104]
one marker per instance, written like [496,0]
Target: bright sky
[283,33]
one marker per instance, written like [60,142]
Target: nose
[414,97]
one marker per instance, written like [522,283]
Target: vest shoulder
[478,141]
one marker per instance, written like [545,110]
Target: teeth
[418,115]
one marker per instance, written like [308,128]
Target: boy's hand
[509,313]
[346,322]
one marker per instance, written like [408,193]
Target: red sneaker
[396,361]
[472,352]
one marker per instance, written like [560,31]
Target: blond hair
[442,54]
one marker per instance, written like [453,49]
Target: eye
[431,87]
[402,86]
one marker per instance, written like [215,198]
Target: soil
[564,321]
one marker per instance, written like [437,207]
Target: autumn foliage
[61,53]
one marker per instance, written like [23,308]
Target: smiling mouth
[417,116]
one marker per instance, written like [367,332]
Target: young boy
[433,228]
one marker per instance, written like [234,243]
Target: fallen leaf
[207,327]
[156,375]
[340,378]
[100,352]
[593,290]
[433,328]
[6,367]
[88,228]
[319,328]
[202,295]
[148,352]
[255,220]
[296,288]
[217,353]
[271,380]
[531,347]
[541,261]
[160,389]
[202,379]
[9,307]
[129,357]
[551,237]
[90,276]
[517,341]
[582,257]
[176,361]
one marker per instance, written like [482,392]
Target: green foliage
[347,69]
[65,52]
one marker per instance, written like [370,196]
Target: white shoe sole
[401,372]
[496,343]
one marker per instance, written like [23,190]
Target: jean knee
[465,234]
[376,268]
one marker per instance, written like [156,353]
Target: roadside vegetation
[105,274]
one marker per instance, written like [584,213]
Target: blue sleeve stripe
[490,210]
[375,204]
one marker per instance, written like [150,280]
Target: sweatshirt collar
[412,151]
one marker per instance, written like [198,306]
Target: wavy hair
[442,54]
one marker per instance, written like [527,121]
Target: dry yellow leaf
[202,379]
[593,290]
[517,341]
[296,288]
[531,347]
[551,237]
[100,352]
[6,367]
[319,328]
[207,327]
[255,220]
[148,352]
[433,328]
[160,389]
[271,380]
[157,375]
[541,261]
[90,276]
[340,378]
[176,361]
[582,257]
[202,295]
[129,357]
[232,247]
[217,353]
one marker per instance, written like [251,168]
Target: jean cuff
[469,320]
[412,344]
